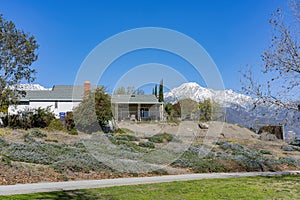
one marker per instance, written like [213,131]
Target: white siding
[61,107]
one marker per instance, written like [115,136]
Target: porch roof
[134,99]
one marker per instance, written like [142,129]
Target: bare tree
[281,64]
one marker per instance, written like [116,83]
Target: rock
[203,125]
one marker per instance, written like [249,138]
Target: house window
[56,104]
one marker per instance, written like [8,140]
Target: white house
[61,99]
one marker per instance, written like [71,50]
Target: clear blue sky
[233,32]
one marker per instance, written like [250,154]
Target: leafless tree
[281,64]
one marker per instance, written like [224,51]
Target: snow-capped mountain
[197,93]
[239,108]
[31,87]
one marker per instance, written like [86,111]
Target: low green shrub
[124,143]
[295,143]
[127,137]
[55,125]
[160,138]
[3,143]
[264,151]
[60,157]
[147,144]
[38,134]
[5,160]
[289,161]
[73,131]
[159,172]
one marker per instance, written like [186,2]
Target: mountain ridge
[239,108]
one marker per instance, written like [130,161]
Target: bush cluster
[60,157]
[29,118]
[125,143]
[200,159]
[290,148]
[190,159]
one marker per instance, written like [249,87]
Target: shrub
[147,144]
[55,125]
[208,165]
[29,118]
[60,157]
[289,161]
[5,160]
[159,172]
[125,144]
[295,143]
[69,123]
[3,143]
[28,138]
[38,134]
[287,148]
[161,138]
[127,137]
[120,131]
[290,148]
[42,117]
[4,131]
[73,131]
[264,151]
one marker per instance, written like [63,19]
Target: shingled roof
[75,93]
[70,93]
[133,99]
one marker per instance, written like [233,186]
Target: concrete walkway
[85,184]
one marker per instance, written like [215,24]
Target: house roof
[133,99]
[74,93]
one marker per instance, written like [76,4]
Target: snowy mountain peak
[198,93]
[31,87]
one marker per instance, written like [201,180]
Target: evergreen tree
[161,92]
[94,112]
[155,90]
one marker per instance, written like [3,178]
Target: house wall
[61,107]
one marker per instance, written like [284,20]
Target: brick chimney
[86,89]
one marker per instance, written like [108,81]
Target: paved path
[85,184]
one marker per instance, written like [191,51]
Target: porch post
[117,111]
[138,112]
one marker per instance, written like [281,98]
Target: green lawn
[276,187]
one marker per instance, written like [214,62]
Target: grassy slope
[278,187]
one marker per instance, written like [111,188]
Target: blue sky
[233,32]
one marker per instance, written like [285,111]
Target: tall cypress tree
[155,90]
[161,92]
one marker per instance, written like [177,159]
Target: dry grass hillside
[39,155]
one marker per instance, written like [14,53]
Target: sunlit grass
[273,187]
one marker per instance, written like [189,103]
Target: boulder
[203,125]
